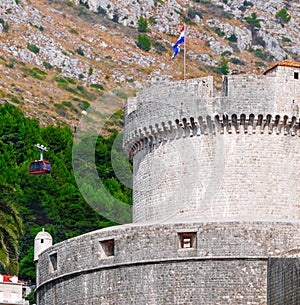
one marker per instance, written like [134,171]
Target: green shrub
[237,61]
[38,71]
[219,32]
[192,13]
[79,51]
[101,10]
[15,100]
[33,48]
[283,16]
[253,21]
[71,80]
[142,25]
[286,39]
[97,86]
[144,42]
[60,80]
[47,65]
[73,31]
[159,47]
[223,66]
[84,3]
[115,16]
[226,53]
[232,38]
[152,20]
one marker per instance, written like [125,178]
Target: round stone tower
[215,196]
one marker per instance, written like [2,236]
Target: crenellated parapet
[152,136]
[246,103]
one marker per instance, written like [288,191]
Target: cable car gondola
[40,167]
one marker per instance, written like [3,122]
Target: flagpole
[184,54]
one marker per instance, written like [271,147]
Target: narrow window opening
[53,262]
[107,248]
[187,240]
[42,241]
[225,86]
[296,75]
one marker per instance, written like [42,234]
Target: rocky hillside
[58,57]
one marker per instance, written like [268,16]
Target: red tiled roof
[7,279]
[284,63]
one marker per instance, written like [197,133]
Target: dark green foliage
[192,13]
[84,3]
[152,20]
[186,19]
[253,22]
[226,53]
[142,25]
[33,48]
[5,25]
[245,5]
[258,40]
[11,227]
[223,66]
[159,47]
[47,65]
[101,10]
[286,39]
[219,32]
[97,86]
[51,201]
[232,38]
[237,61]
[73,31]
[262,55]
[115,17]
[283,16]
[79,51]
[144,42]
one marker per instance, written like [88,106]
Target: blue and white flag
[176,46]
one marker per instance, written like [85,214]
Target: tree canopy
[53,201]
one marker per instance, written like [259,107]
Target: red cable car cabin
[39,167]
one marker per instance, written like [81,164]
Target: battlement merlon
[170,101]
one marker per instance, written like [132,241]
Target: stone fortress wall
[215,196]
[227,264]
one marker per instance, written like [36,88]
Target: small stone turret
[42,241]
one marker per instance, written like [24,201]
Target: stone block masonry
[226,264]
[215,199]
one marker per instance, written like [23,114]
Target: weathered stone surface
[228,264]
[215,196]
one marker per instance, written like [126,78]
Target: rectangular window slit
[296,75]
[53,261]
[107,248]
[187,240]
